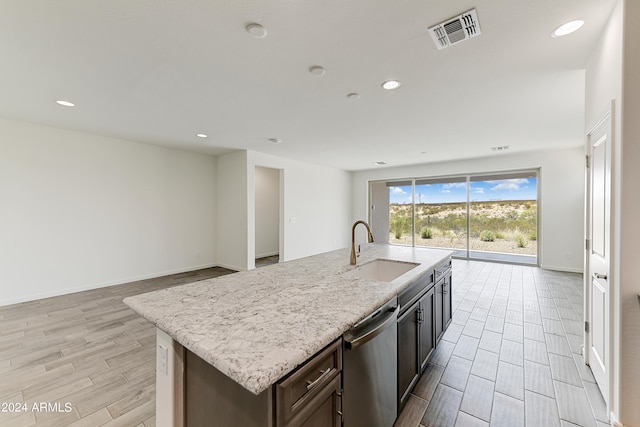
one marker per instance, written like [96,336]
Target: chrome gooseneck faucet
[353,239]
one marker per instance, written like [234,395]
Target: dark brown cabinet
[426,334]
[425,313]
[408,369]
[415,342]
[442,299]
[310,396]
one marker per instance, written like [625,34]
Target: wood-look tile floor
[86,356]
[511,356]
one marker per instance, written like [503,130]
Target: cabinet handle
[445,290]
[323,375]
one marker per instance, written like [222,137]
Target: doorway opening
[267,216]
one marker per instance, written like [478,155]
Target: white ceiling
[160,71]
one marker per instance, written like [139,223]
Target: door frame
[607,114]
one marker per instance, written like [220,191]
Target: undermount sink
[382,270]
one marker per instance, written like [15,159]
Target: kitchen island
[258,326]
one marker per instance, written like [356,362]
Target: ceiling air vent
[456,29]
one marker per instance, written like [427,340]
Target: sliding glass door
[489,216]
[441,213]
[503,214]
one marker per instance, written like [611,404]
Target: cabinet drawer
[413,293]
[300,387]
[442,270]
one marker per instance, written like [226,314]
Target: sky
[481,191]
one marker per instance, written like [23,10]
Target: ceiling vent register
[455,30]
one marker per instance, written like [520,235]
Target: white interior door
[598,253]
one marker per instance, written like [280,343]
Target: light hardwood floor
[509,358]
[85,350]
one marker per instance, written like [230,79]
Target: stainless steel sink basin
[382,270]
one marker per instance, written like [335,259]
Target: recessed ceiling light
[317,70]
[391,84]
[379,163]
[256,30]
[568,28]
[275,140]
[353,95]
[201,135]
[65,103]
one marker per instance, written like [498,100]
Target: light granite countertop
[256,326]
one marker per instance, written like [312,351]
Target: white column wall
[232,216]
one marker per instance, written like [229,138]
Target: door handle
[323,375]
[351,342]
[600,276]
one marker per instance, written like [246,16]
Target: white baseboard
[267,254]
[558,268]
[105,284]
[231,267]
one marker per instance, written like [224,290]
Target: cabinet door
[439,326]
[446,301]
[426,327]
[408,367]
[311,391]
[323,411]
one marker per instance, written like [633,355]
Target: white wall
[603,83]
[612,74]
[267,208]
[80,211]
[232,216]
[379,219]
[316,207]
[561,204]
[629,223]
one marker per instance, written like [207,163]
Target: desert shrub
[521,241]
[533,236]
[487,236]
[512,214]
[399,224]
[426,233]
[499,235]
[397,227]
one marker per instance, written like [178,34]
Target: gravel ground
[499,245]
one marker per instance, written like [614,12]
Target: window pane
[503,217]
[441,214]
[400,213]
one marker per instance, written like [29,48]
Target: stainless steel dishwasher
[370,370]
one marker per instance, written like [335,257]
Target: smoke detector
[455,30]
